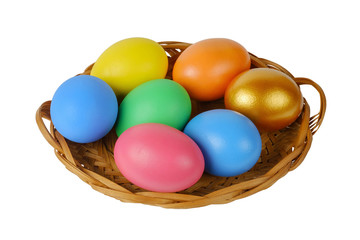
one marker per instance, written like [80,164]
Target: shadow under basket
[282,151]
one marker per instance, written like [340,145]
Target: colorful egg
[270,98]
[84,109]
[129,63]
[229,141]
[207,67]
[157,101]
[158,158]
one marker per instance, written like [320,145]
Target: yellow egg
[270,98]
[129,63]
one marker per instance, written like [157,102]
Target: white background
[44,43]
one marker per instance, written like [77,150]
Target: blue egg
[84,109]
[229,141]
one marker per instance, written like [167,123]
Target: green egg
[157,101]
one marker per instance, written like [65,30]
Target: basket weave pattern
[282,151]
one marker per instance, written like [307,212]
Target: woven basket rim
[290,161]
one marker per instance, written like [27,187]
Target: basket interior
[98,156]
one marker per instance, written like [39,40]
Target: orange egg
[206,68]
[270,98]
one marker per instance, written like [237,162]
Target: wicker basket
[282,151]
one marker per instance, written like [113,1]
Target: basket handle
[44,112]
[316,120]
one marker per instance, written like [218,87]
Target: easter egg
[207,67]
[129,63]
[158,158]
[229,141]
[270,98]
[157,101]
[84,109]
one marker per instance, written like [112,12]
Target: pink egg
[158,158]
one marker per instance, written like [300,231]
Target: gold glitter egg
[270,98]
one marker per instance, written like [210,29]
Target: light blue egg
[84,109]
[229,141]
